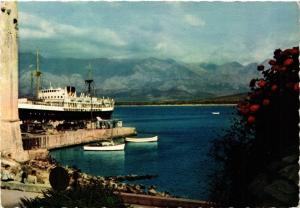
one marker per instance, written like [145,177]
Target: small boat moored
[104,146]
[150,139]
[215,113]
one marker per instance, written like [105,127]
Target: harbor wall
[158,201]
[71,138]
[10,134]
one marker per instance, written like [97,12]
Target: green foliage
[92,194]
[266,130]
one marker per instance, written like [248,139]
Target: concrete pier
[71,138]
[10,134]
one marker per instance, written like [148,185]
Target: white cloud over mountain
[187,31]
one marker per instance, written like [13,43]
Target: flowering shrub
[265,130]
[271,107]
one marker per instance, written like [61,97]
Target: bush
[265,130]
[92,194]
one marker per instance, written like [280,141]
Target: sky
[193,32]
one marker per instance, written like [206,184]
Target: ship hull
[36,114]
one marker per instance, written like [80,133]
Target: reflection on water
[149,146]
[144,154]
[107,162]
[179,158]
[104,163]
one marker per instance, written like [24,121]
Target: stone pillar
[10,134]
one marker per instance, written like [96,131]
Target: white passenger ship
[64,104]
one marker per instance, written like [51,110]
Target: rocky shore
[36,172]
[278,183]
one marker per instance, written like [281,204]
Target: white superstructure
[65,100]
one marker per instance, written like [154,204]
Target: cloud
[190,32]
[264,48]
[194,21]
[165,47]
[34,27]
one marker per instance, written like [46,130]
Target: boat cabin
[57,93]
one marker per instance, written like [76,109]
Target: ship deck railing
[67,105]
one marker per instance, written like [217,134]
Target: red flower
[296,87]
[244,111]
[287,51]
[282,68]
[274,87]
[261,83]
[272,62]
[288,62]
[254,108]
[294,51]
[251,119]
[243,108]
[266,102]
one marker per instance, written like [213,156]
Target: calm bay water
[179,158]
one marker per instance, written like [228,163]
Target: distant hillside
[148,79]
[229,99]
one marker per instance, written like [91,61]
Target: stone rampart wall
[81,136]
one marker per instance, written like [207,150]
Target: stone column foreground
[10,133]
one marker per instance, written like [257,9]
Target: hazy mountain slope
[141,79]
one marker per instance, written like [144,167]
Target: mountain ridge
[147,79]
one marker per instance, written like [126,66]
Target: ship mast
[89,81]
[37,74]
[31,81]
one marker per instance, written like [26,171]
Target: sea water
[179,158]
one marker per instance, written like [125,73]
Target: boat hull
[118,147]
[141,140]
[34,114]
[215,113]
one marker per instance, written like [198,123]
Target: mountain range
[148,79]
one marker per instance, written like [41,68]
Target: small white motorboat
[104,146]
[216,113]
[150,139]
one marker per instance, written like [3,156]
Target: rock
[113,185]
[152,187]
[32,179]
[101,178]
[152,191]
[12,163]
[137,187]
[130,189]
[257,186]
[290,159]
[40,179]
[166,194]
[290,172]
[274,166]
[283,191]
